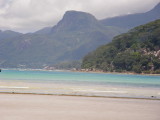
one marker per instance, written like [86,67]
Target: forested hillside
[136,51]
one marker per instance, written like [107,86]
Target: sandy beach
[51,107]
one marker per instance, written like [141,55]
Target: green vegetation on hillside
[68,65]
[136,51]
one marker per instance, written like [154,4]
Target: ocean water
[77,83]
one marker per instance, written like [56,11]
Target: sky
[31,15]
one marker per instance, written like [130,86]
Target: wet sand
[50,107]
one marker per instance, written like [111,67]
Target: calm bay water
[76,83]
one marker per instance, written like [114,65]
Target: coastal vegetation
[135,51]
[72,65]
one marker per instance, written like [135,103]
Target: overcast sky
[31,15]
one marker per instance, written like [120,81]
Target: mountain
[82,32]
[136,51]
[76,21]
[8,34]
[133,20]
[45,30]
[73,37]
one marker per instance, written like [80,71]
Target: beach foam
[101,91]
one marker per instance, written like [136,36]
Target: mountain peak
[77,17]
[73,13]
[76,20]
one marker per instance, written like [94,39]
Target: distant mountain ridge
[133,20]
[9,34]
[74,36]
[45,30]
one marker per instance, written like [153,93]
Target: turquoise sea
[77,83]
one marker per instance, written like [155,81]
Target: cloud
[31,15]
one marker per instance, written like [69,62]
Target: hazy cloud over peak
[31,15]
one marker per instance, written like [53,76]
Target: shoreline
[81,71]
[87,96]
[116,73]
[86,89]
